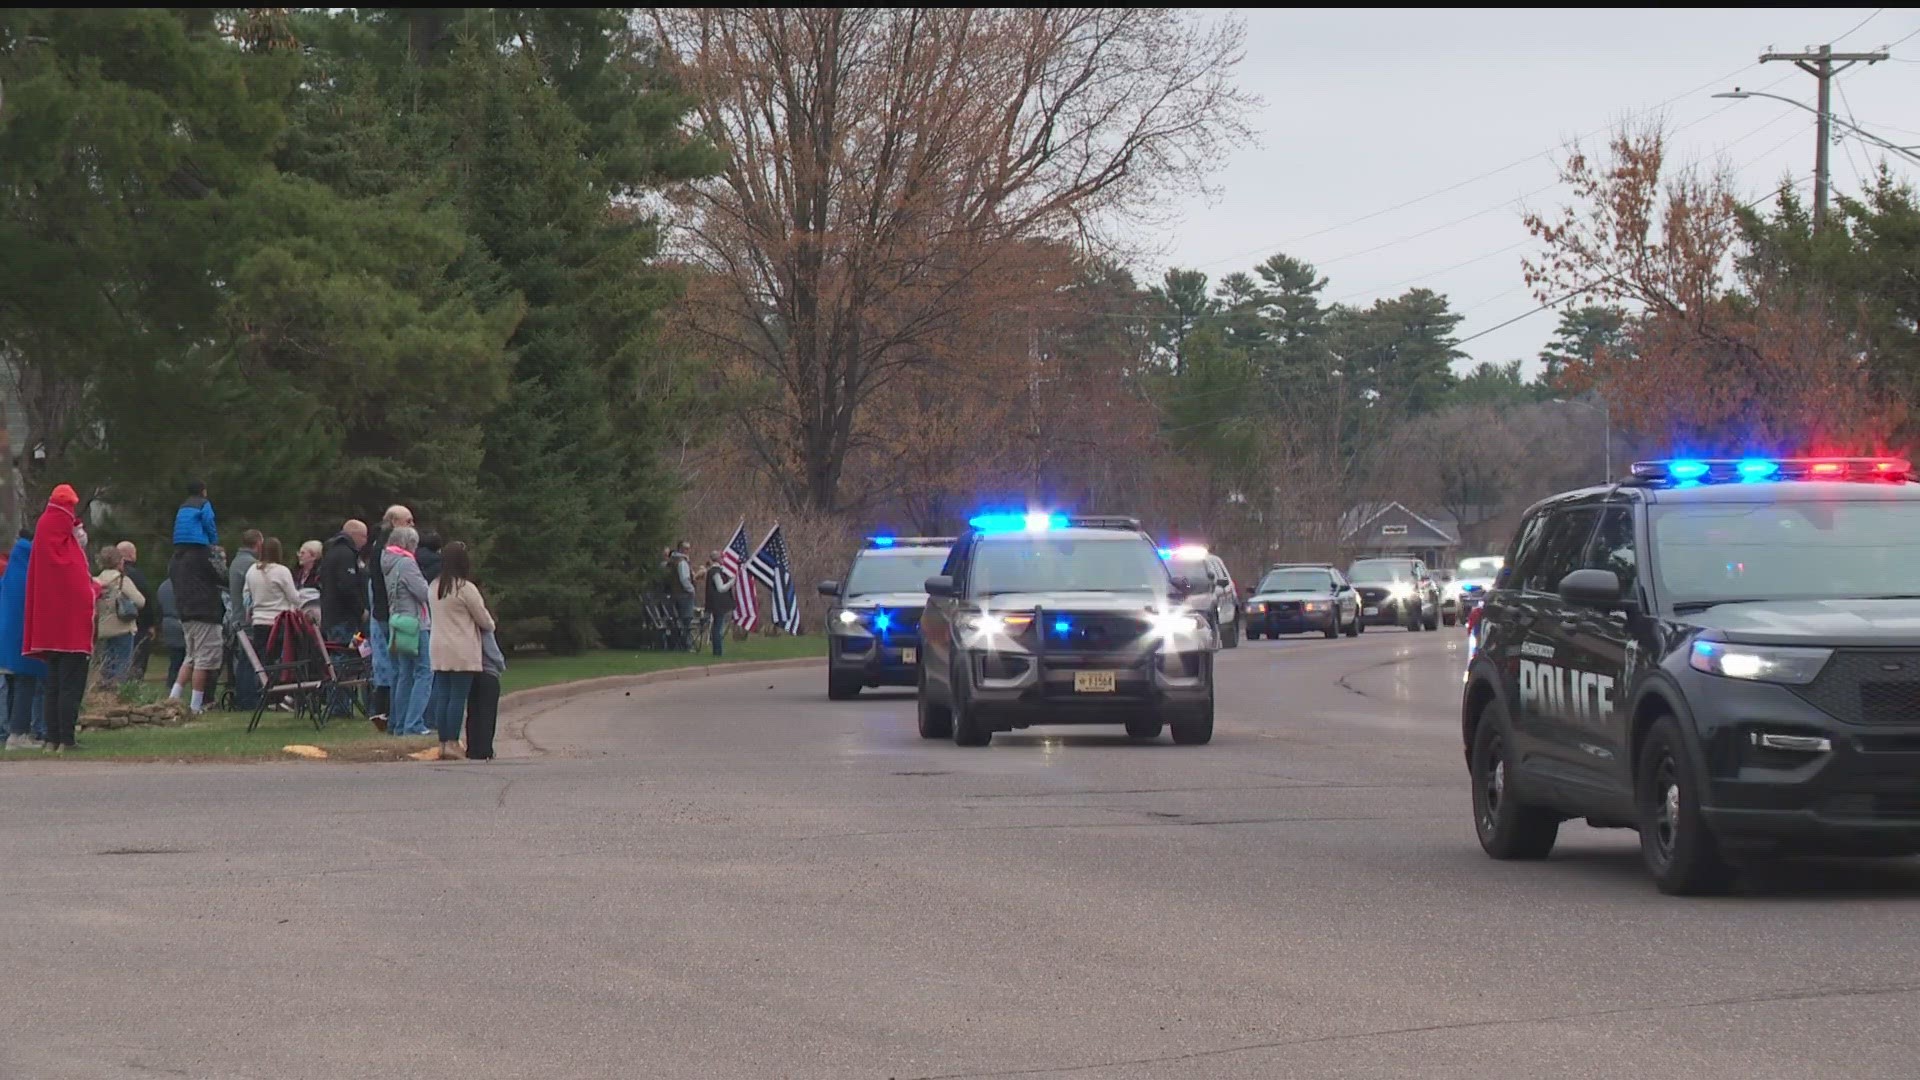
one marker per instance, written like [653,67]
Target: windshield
[905,572]
[1051,563]
[1485,566]
[1194,570]
[1297,581]
[1380,571]
[1802,550]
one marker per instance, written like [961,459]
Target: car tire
[1357,625]
[1333,627]
[1679,849]
[1144,730]
[1196,729]
[1507,827]
[1253,635]
[1433,620]
[1230,637]
[936,720]
[1413,620]
[968,730]
[1449,619]
[842,689]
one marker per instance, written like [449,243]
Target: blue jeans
[382,661]
[720,622]
[412,689]
[116,657]
[449,705]
[24,700]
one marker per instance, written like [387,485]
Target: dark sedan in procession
[1396,592]
[1303,599]
[1722,655]
[874,632]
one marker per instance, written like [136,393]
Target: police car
[1041,618]
[1723,655]
[1214,593]
[874,631]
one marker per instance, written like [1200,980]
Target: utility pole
[1819,63]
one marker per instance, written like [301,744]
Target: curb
[530,702]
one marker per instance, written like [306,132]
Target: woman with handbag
[460,620]
[409,633]
[115,617]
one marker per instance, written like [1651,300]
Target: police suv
[1046,619]
[1723,655]
[874,632]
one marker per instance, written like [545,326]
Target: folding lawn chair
[302,675]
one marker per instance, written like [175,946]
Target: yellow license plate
[909,656]
[1093,682]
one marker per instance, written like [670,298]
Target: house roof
[1367,523]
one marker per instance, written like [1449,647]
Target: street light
[1905,151]
[1606,426]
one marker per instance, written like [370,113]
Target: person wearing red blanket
[58,627]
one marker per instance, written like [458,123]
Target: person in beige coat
[460,618]
[113,635]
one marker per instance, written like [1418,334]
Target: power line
[1856,26]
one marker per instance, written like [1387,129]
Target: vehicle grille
[1868,687]
[905,621]
[1095,632]
[1864,805]
[1283,607]
[1372,595]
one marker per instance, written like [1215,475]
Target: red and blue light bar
[1686,472]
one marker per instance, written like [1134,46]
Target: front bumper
[892,660]
[1863,794]
[1290,622]
[1388,612]
[1017,690]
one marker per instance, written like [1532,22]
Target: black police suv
[1046,619]
[1723,655]
[874,630]
[1303,599]
[1396,592]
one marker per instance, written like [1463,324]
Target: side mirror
[940,585]
[1591,588]
[1182,586]
[829,588]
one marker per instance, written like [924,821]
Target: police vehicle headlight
[1173,624]
[848,618]
[1400,590]
[1313,605]
[985,629]
[1759,663]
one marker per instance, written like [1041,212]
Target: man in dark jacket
[719,600]
[148,623]
[199,577]
[428,557]
[343,592]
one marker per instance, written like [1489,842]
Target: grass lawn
[223,736]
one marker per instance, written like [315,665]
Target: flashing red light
[1891,466]
[1829,468]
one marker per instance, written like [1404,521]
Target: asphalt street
[733,877]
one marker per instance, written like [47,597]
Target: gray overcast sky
[1366,110]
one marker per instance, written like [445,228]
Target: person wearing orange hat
[58,624]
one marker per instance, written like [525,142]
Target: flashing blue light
[1062,627]
[883,622]
[881,541]
[1166,553]
[1755,469]
[1033,521]
[1687,470]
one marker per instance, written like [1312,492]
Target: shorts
[204,651]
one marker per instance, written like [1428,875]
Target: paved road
[732,877]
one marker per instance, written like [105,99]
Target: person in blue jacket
[193,522]
[26,724]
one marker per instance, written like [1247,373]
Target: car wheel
[1680,851]
[1333,627]
[1432,619]
[1252,634]
[1143,729]
[1507,827]
[1230,637]
[1413,620]
[1449,619]
[968,730]
[1196,729]
[936,721]
[841,689]
[1354,627]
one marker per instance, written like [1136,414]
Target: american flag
[746,605]
[774,569]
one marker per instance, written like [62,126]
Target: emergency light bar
[1689,471]
[909,541]
[1185,552]
[1043,521]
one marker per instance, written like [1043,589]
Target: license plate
[1093,682]
[1373,611]
[909,656]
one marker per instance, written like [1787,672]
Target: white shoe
[24,742]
